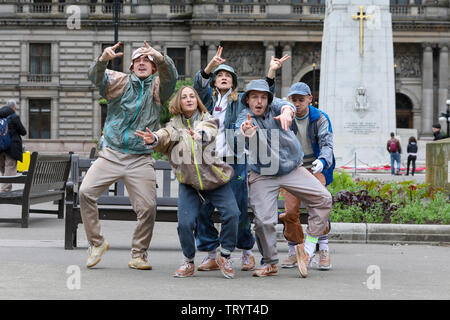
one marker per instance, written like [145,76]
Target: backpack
[5,138]
[393,146]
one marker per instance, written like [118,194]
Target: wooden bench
[114,204]
[45,181]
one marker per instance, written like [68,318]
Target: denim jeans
[207,235]
[395,156]
[189,204]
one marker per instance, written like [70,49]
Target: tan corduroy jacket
[194,161]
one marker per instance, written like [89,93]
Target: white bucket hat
[136,54]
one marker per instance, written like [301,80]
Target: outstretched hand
[215,61]
[247,127]
[276,64]
[285,118]
[148,136]
[147,50]
[110,53]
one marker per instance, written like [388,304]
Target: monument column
[286,70]
[443,78]
[427,89]
[196,58]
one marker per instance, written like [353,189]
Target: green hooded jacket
[132,104]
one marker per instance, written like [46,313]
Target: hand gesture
[215,61]
[147,50]
[276,64]
[110,53]
[285,118]
[196,136]
[317,166]
[248,129]
[148,136]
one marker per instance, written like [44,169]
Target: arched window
[403,108]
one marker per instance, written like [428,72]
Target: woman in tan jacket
[187,140]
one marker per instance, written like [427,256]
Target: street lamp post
[116,20]
[446,117]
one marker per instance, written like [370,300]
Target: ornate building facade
[46,47]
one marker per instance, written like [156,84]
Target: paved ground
[34,265]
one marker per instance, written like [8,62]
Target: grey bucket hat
[228,69]
[256,85]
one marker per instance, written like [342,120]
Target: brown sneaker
[208,264]
[248,262]
[266,270]
[225,266]
[185,270]
[303,260]
[324,260]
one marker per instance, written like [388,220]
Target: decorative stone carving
[408,58]
[248,59]
[361,100]
[305,54]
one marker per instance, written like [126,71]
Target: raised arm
[203,77]
[106,80]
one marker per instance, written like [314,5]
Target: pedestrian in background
[394,149]
[412,155]
[9,157]
[436,128]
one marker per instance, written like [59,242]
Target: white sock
[323,243]
[247,252]
[291,250]
[212,254]
[310,245]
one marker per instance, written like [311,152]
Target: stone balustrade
[210,9]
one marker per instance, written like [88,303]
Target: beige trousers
[138,175]
[263,192]
[8,167]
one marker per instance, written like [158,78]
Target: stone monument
[357,87]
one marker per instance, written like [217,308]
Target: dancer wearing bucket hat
[217,86]
[275,161]
[134,103]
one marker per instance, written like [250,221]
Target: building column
[443,79]
[427,89]
[270,51]
[286,71]
[196,58]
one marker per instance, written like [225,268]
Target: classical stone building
[45,51]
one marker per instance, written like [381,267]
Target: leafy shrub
[374,201]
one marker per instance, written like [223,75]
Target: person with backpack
[394,149]
[11,128]
[412,155]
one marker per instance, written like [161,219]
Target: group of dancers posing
[228,150]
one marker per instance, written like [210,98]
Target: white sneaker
[96,254]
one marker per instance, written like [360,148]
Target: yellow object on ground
[25,164]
